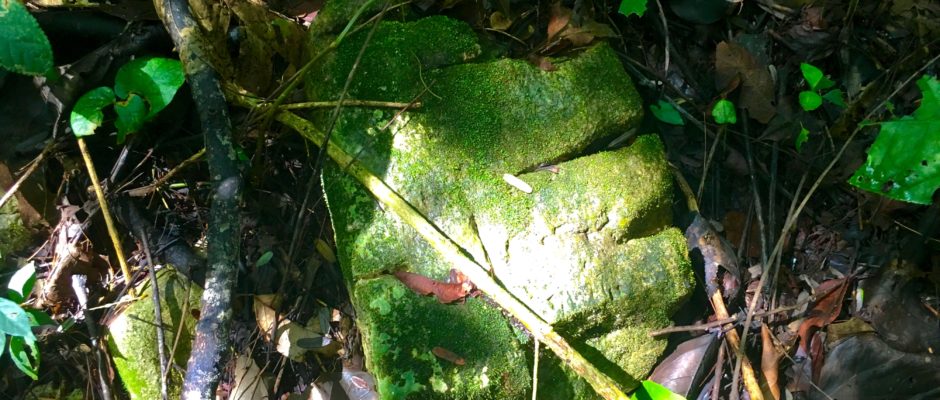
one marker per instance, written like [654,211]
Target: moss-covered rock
[13,234]
[400,331]
[590,249]
[133,341]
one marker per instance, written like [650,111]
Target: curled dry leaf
[562,28]
[770,361]
[448,355]
[824,310]
[443,291]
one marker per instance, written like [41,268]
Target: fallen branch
[449,250]
[212,331]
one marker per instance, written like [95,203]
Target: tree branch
[212,330]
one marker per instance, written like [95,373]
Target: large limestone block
[590,248]
[133,341]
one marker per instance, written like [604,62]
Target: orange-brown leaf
[443,291]
[825,309]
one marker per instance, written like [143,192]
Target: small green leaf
[650,390]
[24,48]
[810,100]
[665,112]
[156,79]
[724,113]
[86,115]
[264,259]
[39,318]
[834,96]
[903,163]
[628,7]
[801,138]
[815,77]
[131,115]
[28,363]
[21,283]
[13,320]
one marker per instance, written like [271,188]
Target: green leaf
[264,259]
[628,7]
[810,100]
[815,77]
[86,115]
[131,115]
[156,79]
[22,360]
[724,113]
[801,138]
[21,283]
[13,320]
[665,112]
[24,48]
[39,318]
[834,96]
[650,390]
[904,162]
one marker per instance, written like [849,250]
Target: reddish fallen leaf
[448,355]
[734,66]
[824,311]
[443,291]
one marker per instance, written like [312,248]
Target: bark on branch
[212,331]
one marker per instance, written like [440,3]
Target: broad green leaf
[264,259]
[664,111]
[156,79]
[834,96]
[86,115]
[628,7]
[810,100]
[724,113]
[3,343]
[904,162]
[815,77]
[801,138]
[21,283]
[131,115]
[650,390]
[28,363]
[24,48]
[13,320]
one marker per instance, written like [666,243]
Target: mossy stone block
[133,341]
[401,330]
[590,248]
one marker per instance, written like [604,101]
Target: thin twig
[106,213]
[535,370]
[33,165]
[157,313]
[349,103]
[145,190]
[81,294]
[662,18]
[758,210]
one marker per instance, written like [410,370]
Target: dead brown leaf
[443,291]
[770,361]
[825,309]
[734,62]
[562,29]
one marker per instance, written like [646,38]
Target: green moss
[400,344]
[13,234]
[133,341]
[589,249]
